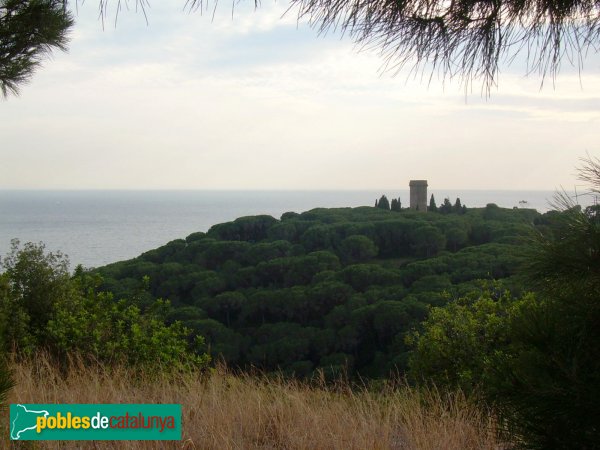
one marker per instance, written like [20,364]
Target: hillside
[335,289]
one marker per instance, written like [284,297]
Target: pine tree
[457,208]
[468,40]
[432,206]
[29,30]
[384,203]
[548,388]
[446,207]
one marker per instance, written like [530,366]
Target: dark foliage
[383,203]
[29,31]
[331,289]
[44,308]
[465,38]
[535,358]
[432,206]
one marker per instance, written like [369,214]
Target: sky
[261,101]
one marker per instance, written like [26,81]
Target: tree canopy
[533,358]
[328,289]
[29,31]
[463,38]
[44,308]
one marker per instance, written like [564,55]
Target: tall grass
[225,411]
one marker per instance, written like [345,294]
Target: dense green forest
[330,289]
[500,303]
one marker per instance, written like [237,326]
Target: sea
[97,227]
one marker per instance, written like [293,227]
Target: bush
[535,359]
[459,344]
[43,307]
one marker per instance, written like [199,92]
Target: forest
[335,290]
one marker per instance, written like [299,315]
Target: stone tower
[418,195]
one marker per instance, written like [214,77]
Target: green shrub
[43,308]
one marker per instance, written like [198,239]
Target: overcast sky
[260,102]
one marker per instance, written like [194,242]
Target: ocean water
[94,228]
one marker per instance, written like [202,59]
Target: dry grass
[223,411]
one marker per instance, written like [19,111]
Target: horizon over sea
[98,227]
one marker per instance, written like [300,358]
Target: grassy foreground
[225,411]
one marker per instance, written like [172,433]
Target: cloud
[259,102]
